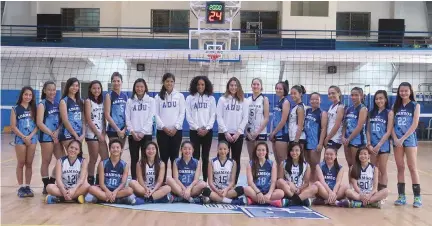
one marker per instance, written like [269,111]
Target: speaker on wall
[391,32]
[49,27]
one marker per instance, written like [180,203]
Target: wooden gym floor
[32,211]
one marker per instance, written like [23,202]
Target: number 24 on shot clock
[215,12]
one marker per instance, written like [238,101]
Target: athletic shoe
[374,205]
[170,197]
[356,204]
[285,202]
[343,203]
[89,198]
[29,192]
[276,203]
[249,201]
[206,200]
[44,191]
[241,201]
[51,199]
[307,202]
[22,192]
[139,201]
[198,200]
[400,201]
[318,201]
[417,202]
[81,199]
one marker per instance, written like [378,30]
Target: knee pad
[206,192]
[239,190]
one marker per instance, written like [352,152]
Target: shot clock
[215,12]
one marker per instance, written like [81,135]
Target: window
[80,18]
[269,20]
[306,8]
[353,24]
[170,21]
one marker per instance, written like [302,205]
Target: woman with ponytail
[297,117]
[170,114]
[48,122]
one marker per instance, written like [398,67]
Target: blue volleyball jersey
[351,119]
[51,119]
[117,113]
[186,171]
[404,118]
[74,115]
[25,123]
[312,128]
[330,175]
[113,174]
[378,128]
[277,117]
[263,180]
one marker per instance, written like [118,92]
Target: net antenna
[215,35]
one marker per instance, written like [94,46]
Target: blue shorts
[410,142]
[385,148]
[91,139]
[355,145]
[64,137]
[44,138]
[19,140]
[333,145]
[283,138]
[260,137]
[112,134]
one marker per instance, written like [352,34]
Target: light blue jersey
[404,118]
[117,113]
[51,119]
[186,171]
[25,123]
[312,128]
[263,180]
[113,174]
[351,119]
[378,128]
[277,117]
[74,114]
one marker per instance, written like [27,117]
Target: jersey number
[151,180]
[262,181]
[72,179]
[223,179]
[376,128]
[364,185]
[185,179]
[112,181]
[402,121]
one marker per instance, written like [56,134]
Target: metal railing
[250,39]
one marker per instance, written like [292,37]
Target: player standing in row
[114,107]
[48,122]
[232,117]
[279,136]
[315,130]
[140,110]
[201,115]
[71,172]
[380,126]
[71,113]
[256,128]
[354,129]
[170,114]
[23,124]
[297,116]
[407,114]
[96,124]
[335,116]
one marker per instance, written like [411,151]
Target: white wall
[19,13]
[415,15]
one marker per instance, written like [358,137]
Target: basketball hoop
[214,57]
